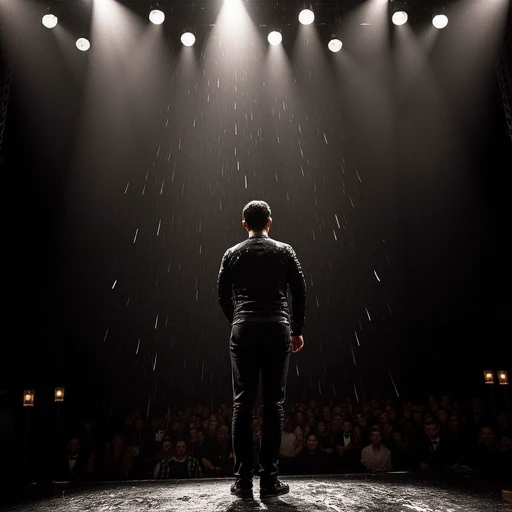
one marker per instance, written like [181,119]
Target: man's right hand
[297,343]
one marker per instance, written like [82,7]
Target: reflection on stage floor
[391,492]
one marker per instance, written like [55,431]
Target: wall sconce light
[28,398]
[489,377]
[59,394]
[503,377]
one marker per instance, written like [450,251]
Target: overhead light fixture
[335,44]
[439,18]
[83,44]
[275,37]
[156,15]
[188,38]
[50,20]
[399,12]
[307,16]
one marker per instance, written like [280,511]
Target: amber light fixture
[503,377]
[59,394]
[489,377]
[28,398]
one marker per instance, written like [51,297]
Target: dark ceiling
[204,12]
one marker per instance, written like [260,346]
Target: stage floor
[392,492]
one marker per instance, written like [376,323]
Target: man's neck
[253,233]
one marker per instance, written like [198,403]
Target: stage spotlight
[399,12]
[156,16]
[275,37]
[335,44]
[400,18]
[83,44]
[188,38]
[50,20]
[306,16]
[440,20]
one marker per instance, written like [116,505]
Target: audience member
[437,434]
[376,457]
[74,464]
[346,449]
[324,438]
[117,460]
[312,460]
[218,456]
[162,469]
[179,466]
[433,451]
[486,457]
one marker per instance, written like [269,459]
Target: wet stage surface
[390,492]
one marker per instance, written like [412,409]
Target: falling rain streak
[179,216]
[353,354]
[355,391]
[393,382]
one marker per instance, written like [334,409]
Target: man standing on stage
[253,282]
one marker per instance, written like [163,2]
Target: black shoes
[241,488]
[275,488]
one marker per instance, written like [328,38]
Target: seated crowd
[344,437]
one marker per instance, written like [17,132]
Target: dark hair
[372,430]
[256,214]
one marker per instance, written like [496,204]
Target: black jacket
[253,282]
[443,457]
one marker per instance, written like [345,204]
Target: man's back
[258,272]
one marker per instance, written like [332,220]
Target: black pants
[256,347]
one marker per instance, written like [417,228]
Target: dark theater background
[125,169]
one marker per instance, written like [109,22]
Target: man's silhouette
[253,283]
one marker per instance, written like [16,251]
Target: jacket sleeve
[225,287]
[297,285]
